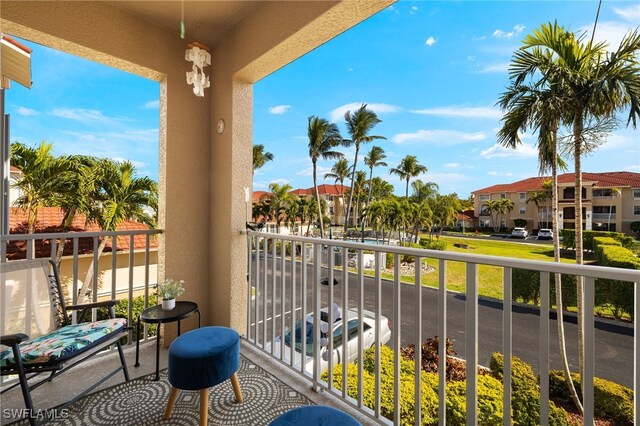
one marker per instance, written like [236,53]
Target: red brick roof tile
[600,180]
[49,220]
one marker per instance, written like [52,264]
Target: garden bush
[519,222]
[122,310]
[432,244]
[569,238]
[525,400]
[611,400]
[618,294]
[526,287]
[490,395]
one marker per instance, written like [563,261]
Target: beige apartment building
[611,201]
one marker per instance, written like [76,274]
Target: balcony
[604,216]
[284,275]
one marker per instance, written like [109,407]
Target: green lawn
[489,277]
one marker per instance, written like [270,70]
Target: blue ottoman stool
[315,415]
[202,358]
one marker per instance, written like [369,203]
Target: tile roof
[600,180]
[14,169]
[467,215]
[257,195]
[325,189]
[300,191]
[49,220]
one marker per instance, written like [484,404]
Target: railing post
[442,346]
[418,343]
[506,346]
[544,348]
[589,349]
[471,346]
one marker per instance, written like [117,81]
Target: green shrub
[519,222]
[619,294]
[526,287]
[433,244]
[569,238]
[611,400]
[389,260]
[525,400]
[122,311]
[490,395]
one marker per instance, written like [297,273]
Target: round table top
[156,315]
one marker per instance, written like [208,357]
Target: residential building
[334,197]
[611,201]
[466,220]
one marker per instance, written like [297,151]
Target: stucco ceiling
[206,21]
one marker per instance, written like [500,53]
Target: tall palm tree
[380,189]
[359,124]
[615,192]
[422,191]
[594,84]
[42,181]
[120,195]
[260,157]
[359,188]
[339,172]
[539,198]
[374,159]
[408,168]
[323,138]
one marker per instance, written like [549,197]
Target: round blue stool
[314,415]
[202,358]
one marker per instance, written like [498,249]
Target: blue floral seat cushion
[64,343]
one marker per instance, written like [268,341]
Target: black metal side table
[156,315]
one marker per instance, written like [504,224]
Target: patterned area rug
[142,402]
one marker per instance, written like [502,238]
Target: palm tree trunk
[370,179]
[315,188]
[558,281]
[577,139]
[353,177]
[82,293]
[406,191]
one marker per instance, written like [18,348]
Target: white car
[368,334]
[519,233]
[545,234]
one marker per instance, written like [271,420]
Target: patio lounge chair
[32,302]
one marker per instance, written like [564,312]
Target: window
[523,196]
[331,210]
[602,193]
[485,223]
[636,210]
[503,195]
[603,209]
[488,197]
[484,210]
[503,223]
[523,210]
[636,193]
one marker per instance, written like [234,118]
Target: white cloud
[137,164]
[517,29]
[617,141]
[350,69]
[430,41]
[494,173]
[27,112]
[280,181]
[414,8]
[460,111]
[279,109]
[451,165]
[151,105]
[338,113]
[320,171]
[440,137]
[499,67]
[630,13]
[523,150]
[79,114]
[610,32]
[471,58]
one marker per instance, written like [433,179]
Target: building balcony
[604,216]
[284,286]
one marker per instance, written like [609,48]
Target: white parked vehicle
[519,233]
[368,335]
[545,234]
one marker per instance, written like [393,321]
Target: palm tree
[420,216]
[280,201]
[373,159]
[593,84]
[42,181]
[359,124]
[120,195]
[423,191]
[498,208]
[615,192]
[377,216]
[260,157]
[323,138]
[339,172]
[359,189]
[539,198]
[445,210]
[380,189]
[408,168]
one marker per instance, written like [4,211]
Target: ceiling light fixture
[200,56]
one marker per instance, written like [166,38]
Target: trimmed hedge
[526,287]
[434,244]
[569,238]
[525,400]
[612,401]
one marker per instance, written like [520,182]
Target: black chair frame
[26,372]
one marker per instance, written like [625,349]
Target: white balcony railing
[284,285]
[604,216]
[126,274]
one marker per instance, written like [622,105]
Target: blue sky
[431,70]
